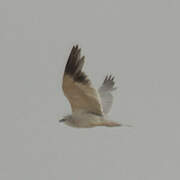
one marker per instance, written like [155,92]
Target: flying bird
[90,107]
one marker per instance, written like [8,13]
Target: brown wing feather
[77,87]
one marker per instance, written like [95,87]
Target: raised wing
[105,92]
[77,87]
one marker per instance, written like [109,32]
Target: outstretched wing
[105,92]
[77,87]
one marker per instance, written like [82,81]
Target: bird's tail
[113,124]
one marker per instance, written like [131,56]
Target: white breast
[84,120]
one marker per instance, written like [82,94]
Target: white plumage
[90,107]
[105,92]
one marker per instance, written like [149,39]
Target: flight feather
[77,87]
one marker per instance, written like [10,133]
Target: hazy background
[136,40]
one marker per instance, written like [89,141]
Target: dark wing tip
[109,82]
[75,64]
[109,78]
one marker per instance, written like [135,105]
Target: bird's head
[65,118]
[62,120]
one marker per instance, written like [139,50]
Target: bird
[90,106]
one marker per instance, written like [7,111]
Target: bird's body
[83,119]
[90,107]
[87,120]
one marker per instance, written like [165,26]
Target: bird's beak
[62,120]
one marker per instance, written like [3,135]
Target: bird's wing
[105,92]
[77,87]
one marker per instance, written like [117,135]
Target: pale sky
[137,41]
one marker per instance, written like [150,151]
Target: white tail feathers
[112,124]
